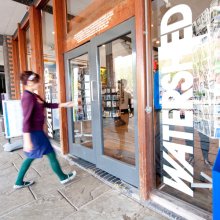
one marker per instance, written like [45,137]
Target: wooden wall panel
[36,45]
[122,10]
[59,10]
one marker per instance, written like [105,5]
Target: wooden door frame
[145,97]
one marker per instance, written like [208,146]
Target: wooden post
[59,12]
[145,126]
[22,48]
[16,68]
[150,138]
[37,60]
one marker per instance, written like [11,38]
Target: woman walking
[36,144]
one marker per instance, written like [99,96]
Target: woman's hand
[66,105]
[27,146]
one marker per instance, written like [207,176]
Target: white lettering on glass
[175,63]
[48,99]
[94,28]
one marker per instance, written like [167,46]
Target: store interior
[117,95]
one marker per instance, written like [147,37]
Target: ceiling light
[152,25]
[53,32]
[157,42]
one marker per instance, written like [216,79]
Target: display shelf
[110,103]
[82,96]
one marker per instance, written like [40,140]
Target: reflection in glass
[80,90]
[117,99]
[187,125]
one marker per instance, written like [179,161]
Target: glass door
[114,61]
[80,91]
[101,81]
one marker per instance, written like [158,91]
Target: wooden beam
[36,45]
[15,35]
[59,11]
[22,48]
[16,68]
[40,4]
[25,22]
[145,126]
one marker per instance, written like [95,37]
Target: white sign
[13,118]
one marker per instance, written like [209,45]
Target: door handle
[92,93]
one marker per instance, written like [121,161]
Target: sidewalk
[83,199]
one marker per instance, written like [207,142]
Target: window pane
[117,99]
[186,82]
[80,89]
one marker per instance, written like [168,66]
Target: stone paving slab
[11,199]
[5,165]
[8,156]
[84,191]
[42,165]
[50,206]
[146,214]
[46,184]
[7,178]
[112,206]
[80,173]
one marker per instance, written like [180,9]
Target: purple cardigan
[33,111]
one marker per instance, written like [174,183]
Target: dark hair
[29,76]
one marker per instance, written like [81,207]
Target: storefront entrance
[100,79]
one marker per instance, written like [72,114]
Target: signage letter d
[187,19]
[182,9]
